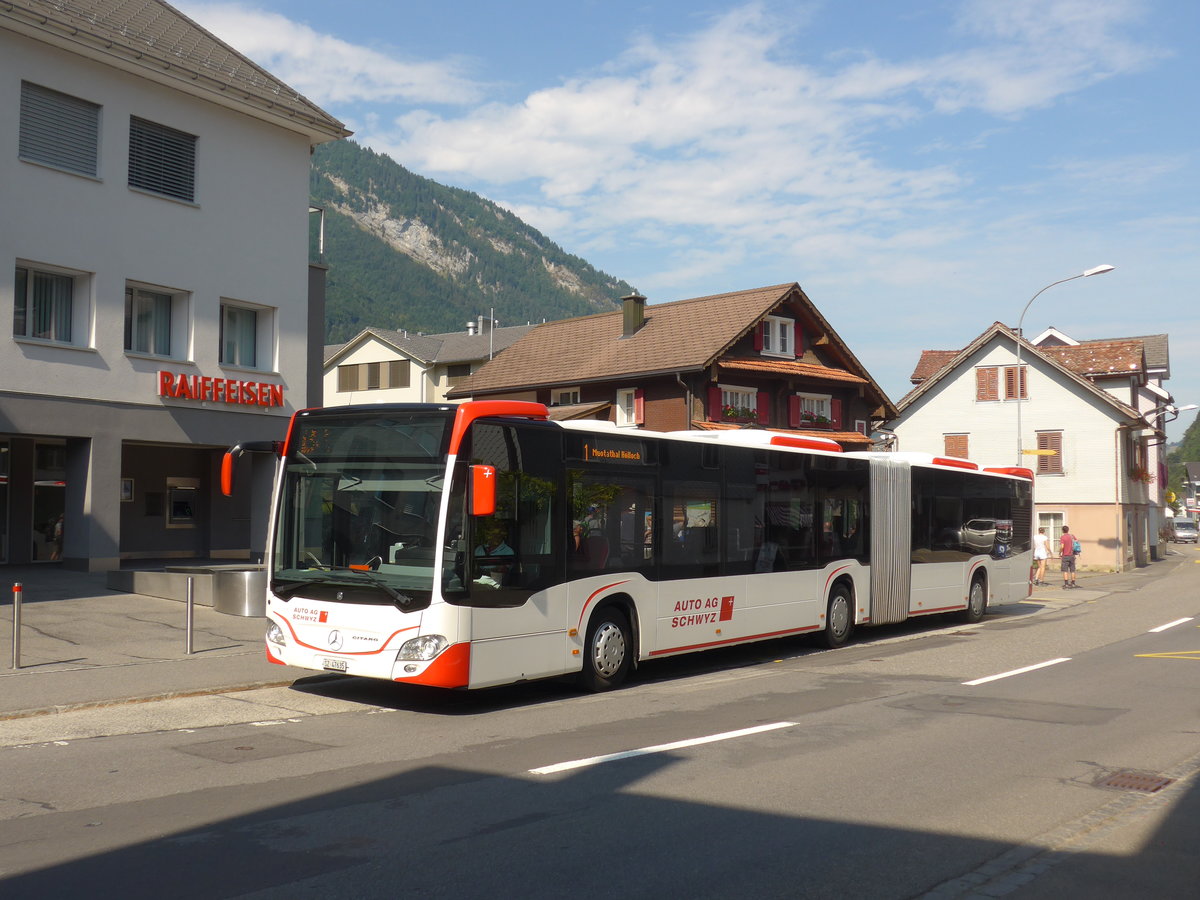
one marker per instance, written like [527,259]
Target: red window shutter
[798,341]
[764,408]
[714,403]
[835,412]
[987,386]
[639,406]
[793,411]
[956,445]
[758,335]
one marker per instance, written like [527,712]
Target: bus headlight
[423,648]
[275,633]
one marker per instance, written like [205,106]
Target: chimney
[634,309]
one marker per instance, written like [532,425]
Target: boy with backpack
[1068,550]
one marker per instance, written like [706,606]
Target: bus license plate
[334,665]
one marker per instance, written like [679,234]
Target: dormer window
[778,336]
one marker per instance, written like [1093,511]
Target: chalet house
[758,358]
[1087,415]
[382,366]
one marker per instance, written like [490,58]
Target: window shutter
[764,407]
[347,379]
[162,159]
[956,446]
[1050,465]
[798,341]
[835,412]
[793,411]
[758,335]
[714,403]
[59,130]
[987,383]
[639,407]
[1013,390]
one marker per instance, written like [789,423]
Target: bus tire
[608,651]
[976,602]
[839,617]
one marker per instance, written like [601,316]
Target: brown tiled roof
[156,40]
[790,367]
[1096,358]
[683,336]
[842,437]
[931,363]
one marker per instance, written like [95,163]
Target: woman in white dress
[1041,552]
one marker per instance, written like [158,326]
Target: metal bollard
[191,608]
[16,647]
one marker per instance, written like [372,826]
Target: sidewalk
[83,645]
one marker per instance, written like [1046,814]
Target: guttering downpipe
[687,393]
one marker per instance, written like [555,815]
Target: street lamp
[1020,381]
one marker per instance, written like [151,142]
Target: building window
[1014,388]
[162,160]
[457,372]
[149,316]
[739,403]
[244,331]
[375,376]
[59,130]
[630,410]
[777,336]
[1050,463]
[44,304]
[956,446]
[810,410]
[564,396]
[987,383]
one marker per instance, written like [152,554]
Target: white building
[1086,425]
[155,184]
[382,366]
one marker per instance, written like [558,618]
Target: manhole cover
[246,749]
[1135,781]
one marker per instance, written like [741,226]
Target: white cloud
[327,69]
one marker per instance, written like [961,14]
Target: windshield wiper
[402,601]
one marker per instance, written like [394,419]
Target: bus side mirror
[229,460]
[483,490]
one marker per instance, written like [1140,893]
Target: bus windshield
[359,505]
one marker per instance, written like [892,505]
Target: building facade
[1075,413]
[158,278]
[761,358]
[382,366]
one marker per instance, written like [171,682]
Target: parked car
[1183,531]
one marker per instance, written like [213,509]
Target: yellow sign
[1170,496]
[1040,452]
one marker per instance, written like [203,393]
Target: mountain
[405,252]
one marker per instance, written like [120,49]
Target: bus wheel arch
[976,598]
[610,645]
[839,614]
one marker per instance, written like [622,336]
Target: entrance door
[49,501]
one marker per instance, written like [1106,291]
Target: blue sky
[921,168]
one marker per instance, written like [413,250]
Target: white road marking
[659,748]
[1169,625]
[1042,665]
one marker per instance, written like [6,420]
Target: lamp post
[1020,380]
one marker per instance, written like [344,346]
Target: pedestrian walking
[1068,550]
[1041,552]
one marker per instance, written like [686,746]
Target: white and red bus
[483,544]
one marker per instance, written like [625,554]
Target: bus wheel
[976,602]
[608,653]
[839,618]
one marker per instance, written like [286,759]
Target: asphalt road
[890,768]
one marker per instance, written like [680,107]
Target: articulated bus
[484,544]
